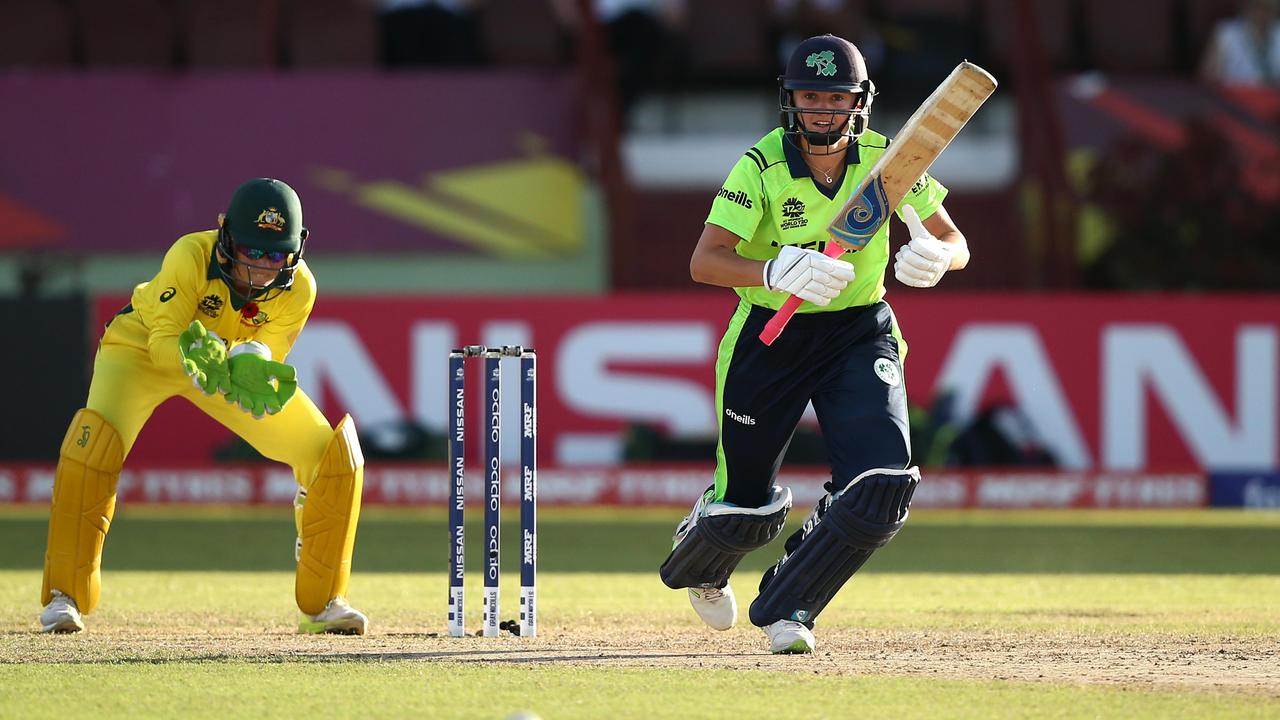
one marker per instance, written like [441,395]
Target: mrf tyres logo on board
[735,196]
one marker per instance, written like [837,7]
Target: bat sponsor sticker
[864,218]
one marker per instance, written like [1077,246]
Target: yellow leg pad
[84,501]
[329,517]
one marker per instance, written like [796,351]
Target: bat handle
[782,316]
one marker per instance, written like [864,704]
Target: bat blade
[920,141]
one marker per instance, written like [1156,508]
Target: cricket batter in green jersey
[842,352]
[213,327]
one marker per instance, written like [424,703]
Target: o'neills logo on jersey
[744,419]
[736,196]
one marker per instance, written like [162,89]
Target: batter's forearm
[959,248]
[725,268]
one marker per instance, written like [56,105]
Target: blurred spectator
[641,34]
[1195,217]
[923,41]
[933,429]
[1245,50]
[429,32]
[795,20]
[1000,435]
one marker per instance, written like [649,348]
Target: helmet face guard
[855,118]
[229,259]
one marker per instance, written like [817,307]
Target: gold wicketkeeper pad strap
[329,517]
[84,501]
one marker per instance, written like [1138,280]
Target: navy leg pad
[720,538]
[841,534]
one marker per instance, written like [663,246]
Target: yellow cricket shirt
[190,287]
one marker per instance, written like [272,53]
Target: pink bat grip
[773,328]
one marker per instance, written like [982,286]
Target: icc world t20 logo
[793,208]
[793,211]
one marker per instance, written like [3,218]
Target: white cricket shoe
[788,637]
[61,615]
[717,607]
[337,618]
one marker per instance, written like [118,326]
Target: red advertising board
[1110,382]
[675,485]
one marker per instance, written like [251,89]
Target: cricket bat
[920,141]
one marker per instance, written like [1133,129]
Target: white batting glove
[807,274]
[921,262]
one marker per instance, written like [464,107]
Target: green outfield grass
[390,689]
[1036,614]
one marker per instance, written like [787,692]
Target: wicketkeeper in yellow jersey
[214,326]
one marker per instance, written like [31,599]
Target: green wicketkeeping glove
[259,384]
[204,358]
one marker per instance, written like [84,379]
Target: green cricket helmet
[826,63]
[263,223]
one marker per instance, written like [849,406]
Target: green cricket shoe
[337,618]
[788,637]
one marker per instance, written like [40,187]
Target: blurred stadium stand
[1116,45]
[129,33]
[231,33]
[520,32]
[330,33]
[1058,28]
[728,40]
[20,46]
[713,94]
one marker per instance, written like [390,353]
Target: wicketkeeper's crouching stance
[842,351]
[213,326]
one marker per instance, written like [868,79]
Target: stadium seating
[1131,37]
[955,10]
[22,47]
[728,41]
[520,32]
[331,33]
[133,33]
[232,33]
[1202,16]
[1055,21]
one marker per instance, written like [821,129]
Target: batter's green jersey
[770,199]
